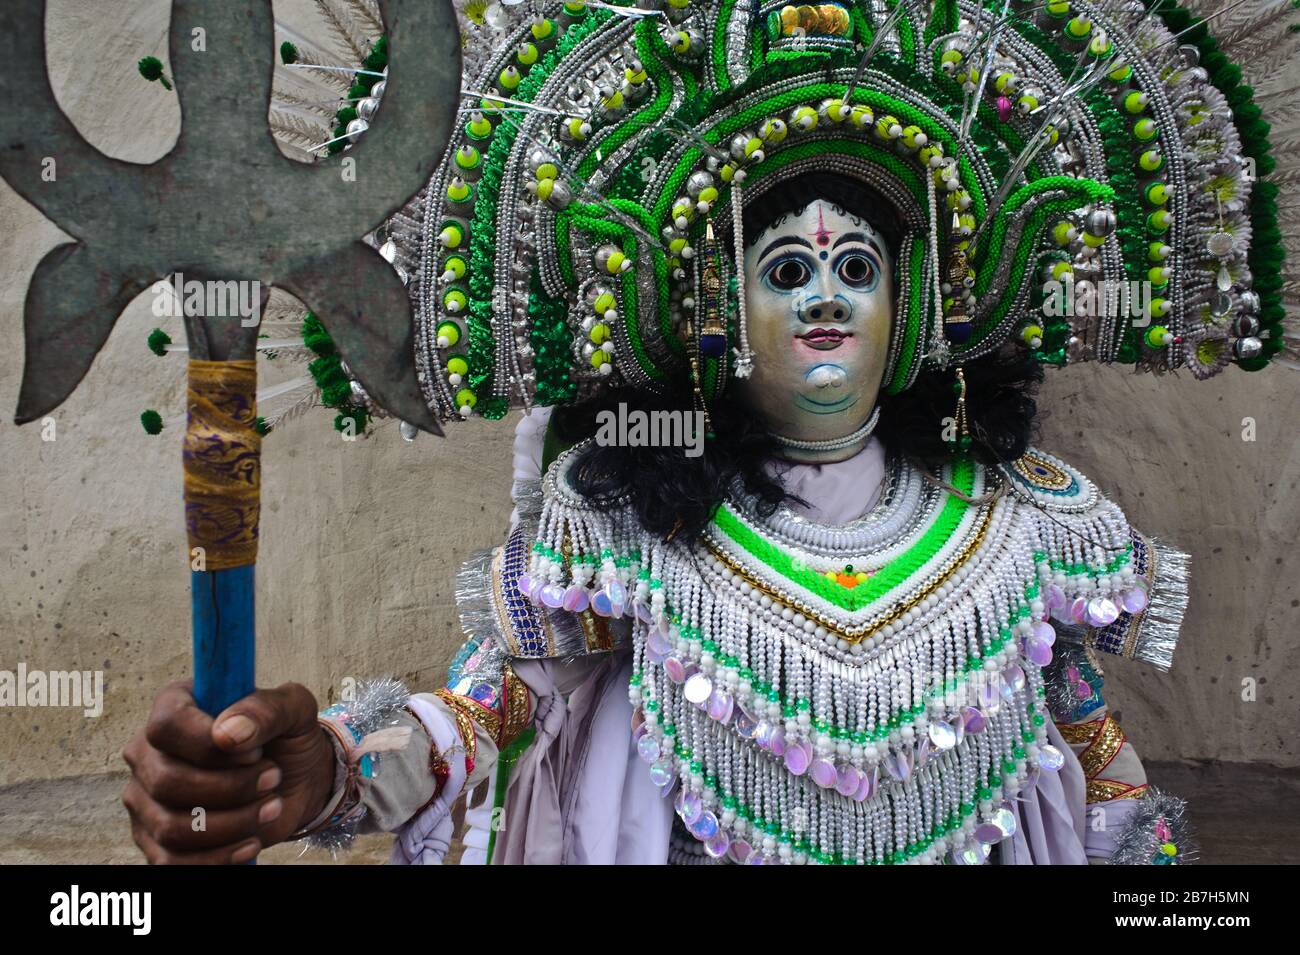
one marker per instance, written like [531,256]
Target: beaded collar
[808,711]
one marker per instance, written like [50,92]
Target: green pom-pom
[346,115]
[327,372]
[152,421]
[288,53]
[378,57]
[336,394]
[314,335]
[337,146]
[1247,112]
[1227,78]
[158,341]
[151,69]
[261,427]
[352,420]
[1242,94]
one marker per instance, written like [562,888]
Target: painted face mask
[820,298]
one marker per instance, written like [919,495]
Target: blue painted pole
[225,644]
[223,612]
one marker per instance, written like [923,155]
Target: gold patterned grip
[223,463]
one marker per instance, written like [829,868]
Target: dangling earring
[744,357]
[957,326]
[962,439]
[707,330]
[713,332]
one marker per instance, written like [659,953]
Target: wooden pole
[222,461]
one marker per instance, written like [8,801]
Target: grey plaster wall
[361,540]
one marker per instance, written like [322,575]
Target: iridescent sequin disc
[1050,758]
[689,806]
[848,781]
[705,827]
[973,853]
[1014,677]
[1135,601]
[698,688]
[942,735]
[647,747]
[717,846]
[1005,820]
[797,758]
[739,851]
[1102,611]
[823,773]
[661,773]
[721,705]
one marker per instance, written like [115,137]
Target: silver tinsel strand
[1158,630]
[1138,843]
[478,615]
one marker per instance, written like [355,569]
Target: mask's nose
[819,308]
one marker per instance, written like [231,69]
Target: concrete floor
[1245,814]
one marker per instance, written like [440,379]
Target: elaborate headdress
[564,243]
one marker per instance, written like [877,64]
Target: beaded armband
[1147,628]
[1110,587]
[494,607]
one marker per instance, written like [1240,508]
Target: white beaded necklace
[832,444]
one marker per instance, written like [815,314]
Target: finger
[288,710]
[179,728]
[180,785]
[225,855]
[198,829]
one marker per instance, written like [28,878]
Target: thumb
[265,715]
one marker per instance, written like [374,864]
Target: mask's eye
[857,270]
[789,274]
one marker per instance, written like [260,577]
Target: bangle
[338,806]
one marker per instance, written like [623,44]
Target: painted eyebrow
[785,240]
[857,237]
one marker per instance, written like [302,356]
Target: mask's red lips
[824,339]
